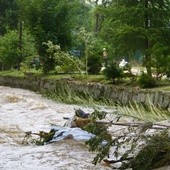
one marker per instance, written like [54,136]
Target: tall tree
[9,52]
[8,15]
[98,17]
[137,25]
[51,20]
[83,15]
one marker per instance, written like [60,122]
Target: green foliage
[94,64]
[9,53]
[64,94]
[56,57]
[96,144]
[43,137]
[155,154]
[93,51]
[102,141]
[131,26]
[83,16]
[146,81]
[113,72]
[139,151]
[162,66]
[24,67]
[86,38]
[143,112]
[8,15]
[51,20]
[98,115]
[95,55]
[8,50]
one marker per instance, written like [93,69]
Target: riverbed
[23,110]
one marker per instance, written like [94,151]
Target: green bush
[113,72]
[94,64]
[59,59]
[146,81]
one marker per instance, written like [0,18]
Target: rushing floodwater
[23,110]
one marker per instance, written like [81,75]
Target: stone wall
[123,95]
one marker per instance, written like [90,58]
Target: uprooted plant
[41,139]
[138,144]
[132,146]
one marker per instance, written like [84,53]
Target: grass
[13,73]
[91,78]
[163,85]
[65,95]
[147,114]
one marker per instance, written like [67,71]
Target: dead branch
[161,127]
[116,161]
[155,125]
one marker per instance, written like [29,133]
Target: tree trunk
[147,55]
[97,23]
[20,44]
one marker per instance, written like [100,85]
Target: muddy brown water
[22,111]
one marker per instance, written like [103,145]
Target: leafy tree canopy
[8,15]
[52,20]
[9,52]
[132,25]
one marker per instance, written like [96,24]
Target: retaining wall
[123,95]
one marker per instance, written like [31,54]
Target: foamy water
[23,110]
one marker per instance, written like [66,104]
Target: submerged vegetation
[144,113]
[155,154]
[132,145]
[50,47]
[137,145]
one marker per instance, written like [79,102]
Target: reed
[64,94]
[142,112]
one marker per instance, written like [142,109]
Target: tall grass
[145,113]
[64,94]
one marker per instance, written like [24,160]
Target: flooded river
[23,110]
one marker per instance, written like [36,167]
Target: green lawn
[164,85]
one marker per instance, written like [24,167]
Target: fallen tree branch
[155,126]
[116,161]
[133,124]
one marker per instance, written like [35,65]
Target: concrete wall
[111,92]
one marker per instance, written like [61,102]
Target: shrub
[146,81]
[56,57]
[113,72]
[94,64]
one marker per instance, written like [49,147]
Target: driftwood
[116,161]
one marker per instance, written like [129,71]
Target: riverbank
[114,93]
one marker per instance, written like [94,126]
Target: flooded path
[23,110]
